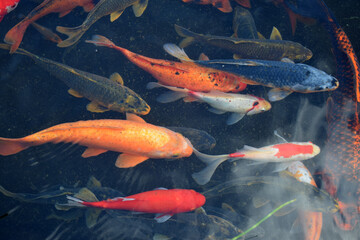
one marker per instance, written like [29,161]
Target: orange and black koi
[342,153]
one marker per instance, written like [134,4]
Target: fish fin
[162,217]
[96,108]
[140,7]
[177,52]
[86,195]
[134,118]
[261,36]
[226,206]
[203,57]
[15,35]
[212,162]
[234,118]
[287,60]
[244,3]
[74,202]
[158,236]
[277,94]
[91,216]
[186,42]
[11,146]
[189,36]
[74,93]
[74,34]
[99,40]
[282,166]
[216,111]
[200,210]
[190,99]
[64,13]
[170,96]
[161,188]
[91,152]
[117,78]
[127,160]
[93,182]
[116,15]
[275,34]
[152,85]
[236,56]
[223,6]
[259,201]
[88,7]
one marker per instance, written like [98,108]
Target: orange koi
[164,202]
[15,35]
[311,221]
[222,5]
[186,74]
[136,139]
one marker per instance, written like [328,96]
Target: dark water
[31,100]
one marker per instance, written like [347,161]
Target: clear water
[31,100]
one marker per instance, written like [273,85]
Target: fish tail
[74,202]
[11,146]
[189,36]
[212,161]
[99,40]
[74,34]
[15,35]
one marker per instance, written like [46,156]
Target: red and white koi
[7,6]
[280,153]
[164,202]
[239,104]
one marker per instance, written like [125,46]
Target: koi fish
[105,7]
[164,202]
[311,221]
[15,35]
[283,152]
[6,6]
[273,49]
[105,94]
[284,77]
[136,139]
[342,157]
[179,74]
[243,24]
[239,104]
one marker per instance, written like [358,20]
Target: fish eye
[255,103]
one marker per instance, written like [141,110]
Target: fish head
[301,53]
[259,105]
[316,149]
[199,199]
[315,81]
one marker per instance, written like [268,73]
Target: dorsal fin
[177,52]
[117,78]
[275,34]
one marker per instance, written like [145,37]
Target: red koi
[186,74]
[15,35]
[7,6]
[165,203]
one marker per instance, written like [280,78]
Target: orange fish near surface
[186,74]
[136,139]
[222,5]
[15,35]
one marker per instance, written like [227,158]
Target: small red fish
[7,6]
[283,152]
[164,202]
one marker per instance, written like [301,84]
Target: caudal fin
[15,35]
[189,36]
[212,161]
[74,35]
[11,146]
[99,40]
[74,202]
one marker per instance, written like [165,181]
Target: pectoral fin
[160,218]
[117,78]
[234,118]
[277,94]
[260,36]
[90,152]
[127,160]
[62,14]
[135,118]
[96,108]
[74,93]
[115,15]
[91,216]
[140,7]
